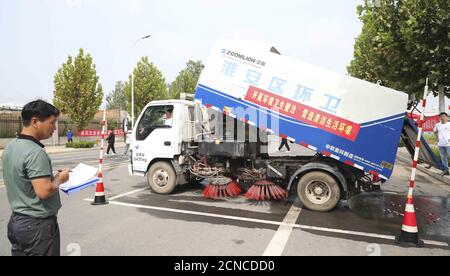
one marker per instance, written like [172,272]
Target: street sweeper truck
[249,97]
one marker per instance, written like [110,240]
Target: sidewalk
[404,156]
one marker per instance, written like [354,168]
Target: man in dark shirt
[32,189]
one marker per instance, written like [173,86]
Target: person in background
[442,132]
[127,142]
[31,187]
[284,143]
[69,136]
[111,140]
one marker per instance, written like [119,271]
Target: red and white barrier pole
[100,197]
[410,232]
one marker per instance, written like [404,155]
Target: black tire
[318,181]
[164,174]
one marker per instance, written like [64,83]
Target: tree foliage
[116,99]
[187,79]
[77,91]
[403,42]
[149,85]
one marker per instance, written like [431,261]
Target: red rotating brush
[265,190]
[221,187]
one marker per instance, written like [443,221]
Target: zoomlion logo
[239,56]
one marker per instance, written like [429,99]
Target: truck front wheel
[318,191]
[162,178]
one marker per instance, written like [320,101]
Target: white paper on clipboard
[82,175]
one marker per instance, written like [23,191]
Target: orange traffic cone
[100,197]
[410,232]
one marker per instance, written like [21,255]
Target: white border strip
[335,157]
[312,147]
[382,122]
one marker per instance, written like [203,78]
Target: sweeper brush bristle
[217,190]
[265,190]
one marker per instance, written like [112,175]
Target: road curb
[434,173]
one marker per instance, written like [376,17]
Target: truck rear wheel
[318,191]
[162,178]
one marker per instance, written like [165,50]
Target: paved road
[139,222]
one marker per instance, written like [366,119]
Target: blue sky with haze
[37,35]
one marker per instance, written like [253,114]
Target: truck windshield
[154,117]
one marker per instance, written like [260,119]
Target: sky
[36,36]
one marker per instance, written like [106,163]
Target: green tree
[149,85]
[116,99]
[77,91]
[187,79]
[403,42]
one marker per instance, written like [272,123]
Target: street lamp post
[132,79]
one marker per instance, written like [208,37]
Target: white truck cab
[156,136]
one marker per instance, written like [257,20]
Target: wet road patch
[383,214]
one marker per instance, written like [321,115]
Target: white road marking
[122,195]
[391,193]
[281,237]
[299,226]
[129,193]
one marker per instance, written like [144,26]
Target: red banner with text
[303,113]
[95,132]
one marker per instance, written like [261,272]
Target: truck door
[154,136]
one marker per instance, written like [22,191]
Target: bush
[431,138]
[80,144]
